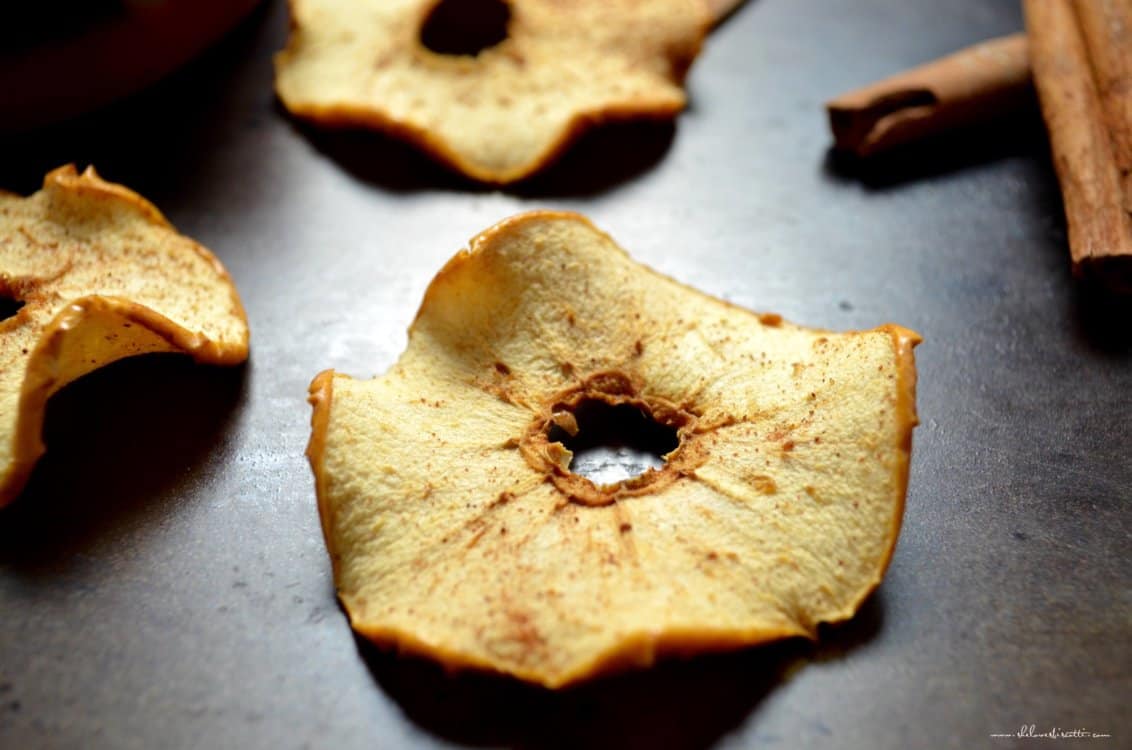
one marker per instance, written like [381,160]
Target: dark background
[163,581]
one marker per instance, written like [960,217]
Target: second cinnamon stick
[974,84]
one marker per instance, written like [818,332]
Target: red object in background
[53,69]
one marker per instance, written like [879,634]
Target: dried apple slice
[101,275]
[547,70]
[457,530]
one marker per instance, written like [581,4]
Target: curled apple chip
[458,531]
[495,89]
[99,275]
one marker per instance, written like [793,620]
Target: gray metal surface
[163,582]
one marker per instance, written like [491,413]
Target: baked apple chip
[98,274]
[494,89]
[457,529]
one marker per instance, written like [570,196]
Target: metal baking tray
[163,580]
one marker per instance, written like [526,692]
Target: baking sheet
[163,582]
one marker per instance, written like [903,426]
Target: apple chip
[99,275]
[494,89]
[457,529]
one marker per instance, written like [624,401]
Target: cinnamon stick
[972,85]
[1078,52]
[1107,28]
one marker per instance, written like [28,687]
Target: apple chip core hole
[612,443]
[465,27]
[9,306]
